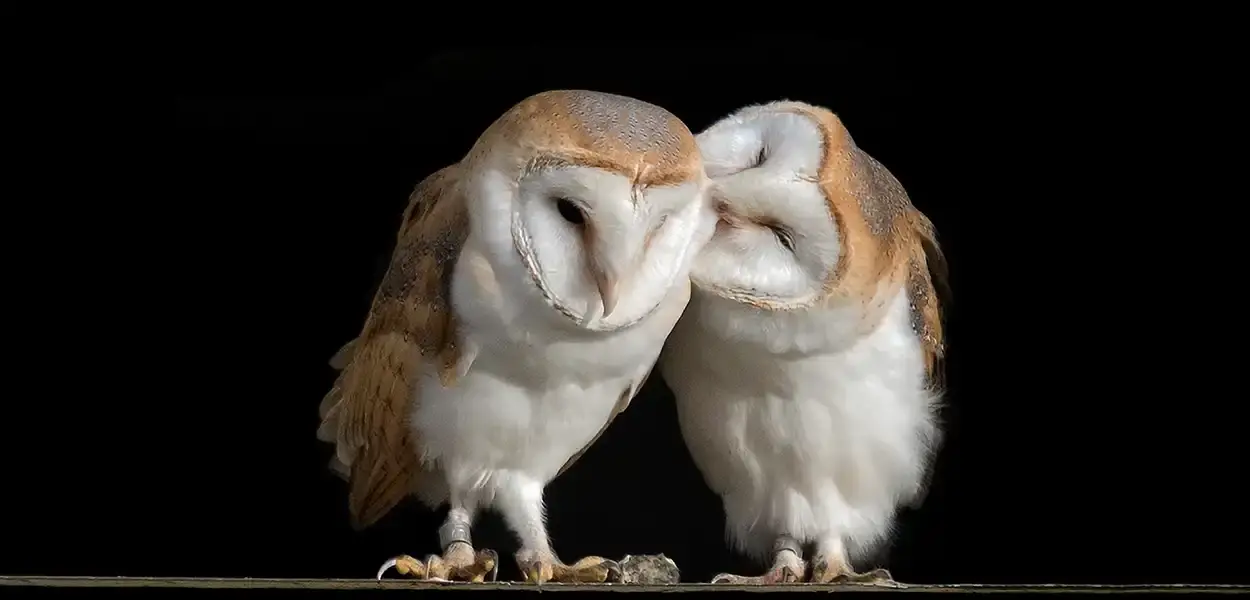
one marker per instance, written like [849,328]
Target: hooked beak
[726,218]
[615,259]
[607,290]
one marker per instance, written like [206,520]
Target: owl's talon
[537,572]
[873,577]
[592,569]
[488,558]
[457,564]
[778,574]
[787,568]
[834,571]
[404,565]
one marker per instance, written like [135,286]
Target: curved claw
[534,574]
[434,565]
[386,566]
[404,564]
[493,558]
[781,574]
[878,577]
[614,571]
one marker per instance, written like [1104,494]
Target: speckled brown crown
[625,135]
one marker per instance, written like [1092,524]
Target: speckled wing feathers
[929,292]
[876,212]
[410,328]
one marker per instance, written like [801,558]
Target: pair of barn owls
[537,282]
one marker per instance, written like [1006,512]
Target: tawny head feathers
[618,134]
[599,196]
[805,215]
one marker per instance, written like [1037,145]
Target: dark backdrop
[291,169]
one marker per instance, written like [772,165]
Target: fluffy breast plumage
[802,442]
[537,393]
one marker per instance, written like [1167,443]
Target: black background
[1067,457]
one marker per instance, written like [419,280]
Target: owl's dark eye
[759,157]
[570,211]
[784,236]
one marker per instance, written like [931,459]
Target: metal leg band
[785,542]
[452,532]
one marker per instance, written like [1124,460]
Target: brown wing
[929,291]
[410,328]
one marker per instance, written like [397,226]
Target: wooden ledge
[397,584]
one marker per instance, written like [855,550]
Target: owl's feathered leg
[459,561]
[522,508]
[788,566]
[831,565]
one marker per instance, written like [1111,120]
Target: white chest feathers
[537,392]
[802,424]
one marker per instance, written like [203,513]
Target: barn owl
[806,365]
[527,299]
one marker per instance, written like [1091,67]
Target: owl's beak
[615,260]
[607,290]
[726,218]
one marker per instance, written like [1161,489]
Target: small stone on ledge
[649,569]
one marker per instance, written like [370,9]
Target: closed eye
[716,171]
[784,236]
[655,231]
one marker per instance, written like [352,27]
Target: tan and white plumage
[527,299]
[806,366]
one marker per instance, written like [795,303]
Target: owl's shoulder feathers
[888,243]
